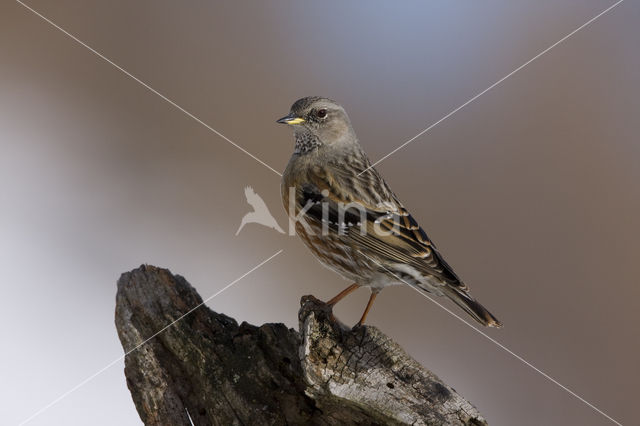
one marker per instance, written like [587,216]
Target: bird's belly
[381,280]
[333,253]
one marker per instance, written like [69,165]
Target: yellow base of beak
[296,120]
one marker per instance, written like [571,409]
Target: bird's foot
[332,317]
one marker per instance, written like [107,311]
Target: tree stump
[204,368]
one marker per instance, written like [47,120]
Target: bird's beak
[291,120]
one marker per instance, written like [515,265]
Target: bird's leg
[374,293]
[342,294]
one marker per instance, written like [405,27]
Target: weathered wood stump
[204,368]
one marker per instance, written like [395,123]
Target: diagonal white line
[189,415]
[145,85]
[590,21]
[501,346]
[115,361]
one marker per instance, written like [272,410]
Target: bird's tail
[471,306]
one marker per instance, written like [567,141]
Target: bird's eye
[322,113]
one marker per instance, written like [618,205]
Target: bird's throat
[306,142]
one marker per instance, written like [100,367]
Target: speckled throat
[306,142]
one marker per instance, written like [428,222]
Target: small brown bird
[348,216]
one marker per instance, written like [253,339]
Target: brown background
[531,192]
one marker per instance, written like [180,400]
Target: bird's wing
[257,202]
[402,240]
[252,197]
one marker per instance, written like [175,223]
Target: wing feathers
[401,240]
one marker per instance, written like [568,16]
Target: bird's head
[322,119]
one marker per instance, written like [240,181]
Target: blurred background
[531,192]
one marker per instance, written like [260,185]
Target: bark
[206,369]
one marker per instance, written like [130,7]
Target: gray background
[531,192]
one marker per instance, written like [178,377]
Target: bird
[260,213]
[346,214]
